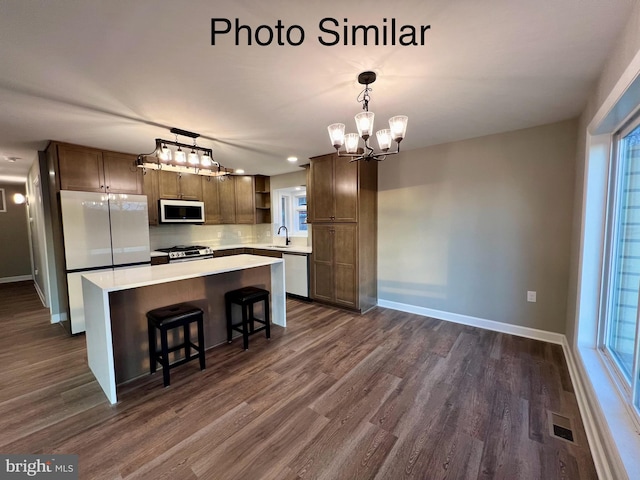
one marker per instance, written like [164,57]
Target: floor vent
[560,427]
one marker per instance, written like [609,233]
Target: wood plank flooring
[385,395]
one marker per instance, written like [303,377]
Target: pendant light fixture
[181,157]
[364,123]
[199,160]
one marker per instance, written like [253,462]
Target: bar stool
[247,297]
[168,318]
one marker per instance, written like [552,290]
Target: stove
[186,253]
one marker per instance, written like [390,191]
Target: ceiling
[117,74]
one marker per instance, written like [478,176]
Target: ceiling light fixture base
[367,78]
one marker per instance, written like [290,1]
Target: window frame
[628,387]
[289,211]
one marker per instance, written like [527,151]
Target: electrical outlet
[239,233]
[219,234]
[531,296]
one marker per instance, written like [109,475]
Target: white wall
[15,258]
[468,227]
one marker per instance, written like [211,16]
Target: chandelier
[364,121]
[199,159]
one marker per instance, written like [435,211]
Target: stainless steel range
[186,253]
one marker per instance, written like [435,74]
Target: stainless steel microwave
[181,211]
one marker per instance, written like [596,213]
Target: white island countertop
[142,276]
[97,288]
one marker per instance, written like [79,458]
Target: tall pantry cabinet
[342,206]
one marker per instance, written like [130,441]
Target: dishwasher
[296,274]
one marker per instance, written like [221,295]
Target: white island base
[116,303]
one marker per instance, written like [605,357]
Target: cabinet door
[168,186]
[245,200]
[121,175]
[227,195]
[80,169]
[190,186]
[150,189]
[345,176]
[323,271]
[346,257]
[210,187]
[266,253]
[321,176]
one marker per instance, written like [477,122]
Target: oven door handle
[190,259]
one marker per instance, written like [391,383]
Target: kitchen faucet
[286,234]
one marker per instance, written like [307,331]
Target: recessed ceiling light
[12,159]
[239,170]
[292,159]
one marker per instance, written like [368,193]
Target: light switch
[531,296]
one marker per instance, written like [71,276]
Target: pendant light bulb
[194,159]
[165,153]
[181,157]
[205,160]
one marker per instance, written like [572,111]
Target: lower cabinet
[335,264]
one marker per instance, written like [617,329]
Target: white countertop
[142,276]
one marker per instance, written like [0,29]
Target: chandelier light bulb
[336,133]
[181,157]
[364,122]
[398,127]
[384,139]
[351,142]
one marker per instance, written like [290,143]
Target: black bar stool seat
[247,297]
[165,319]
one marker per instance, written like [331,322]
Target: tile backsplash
[164,236]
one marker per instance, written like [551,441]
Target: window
[619,325]
[292,211]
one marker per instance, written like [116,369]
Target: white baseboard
[41,295]
[527,332]
[590,416]
[18,278]
[58,317]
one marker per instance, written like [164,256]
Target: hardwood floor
[386,395]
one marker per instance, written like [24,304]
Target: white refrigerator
[101,231]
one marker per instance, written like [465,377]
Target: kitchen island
[116,303]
